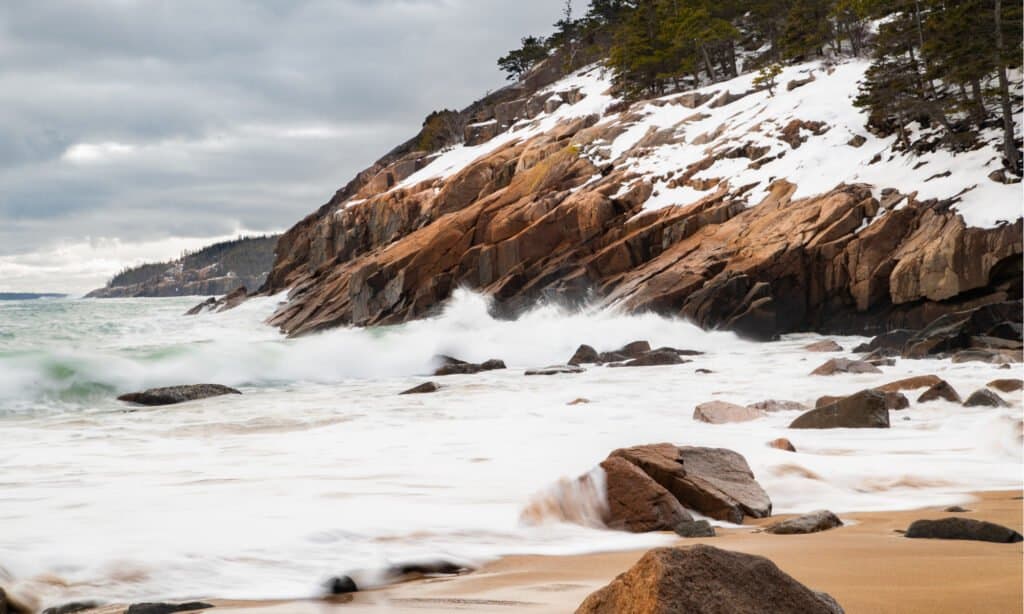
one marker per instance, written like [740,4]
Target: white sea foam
[320,467]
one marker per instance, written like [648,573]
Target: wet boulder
[635,349]
[705,579]
[910,383]
[893,400]
[776,405]
[172,395]
[585,355]
[638,504]
[821,520]
[654,358]
[845,365]
[962,528]
[9,604]
[985,398]
[453,366]
[940,390]
[1006,385]
[167,608]
[866,409]
[721,412]
[827,345]
[71,608]
[782,444]
[424,388]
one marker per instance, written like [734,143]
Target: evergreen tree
[519,61]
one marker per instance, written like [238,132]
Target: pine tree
[519,61]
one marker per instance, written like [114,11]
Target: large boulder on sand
[713,481]
[721,412]
[701,579]
[866,409]
[176,394]
[636,503]
[963,528]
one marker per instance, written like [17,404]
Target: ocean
[321,468]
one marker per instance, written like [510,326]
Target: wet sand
[867,566]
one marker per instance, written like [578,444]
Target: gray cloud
[140,120]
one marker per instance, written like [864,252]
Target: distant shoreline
[29,296]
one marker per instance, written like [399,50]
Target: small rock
[963,528]
[941,390]
[172,395]
[458,367]
[881,353]
[166,608]
[208,305]
[910,383]
[71,608]
[654,359]
[635,349]
[782,444]
[579,401]
[845,365]
[985,398]
[1006,385]
[866,409]
[956,509]
[774,405]
[584,355]
[720,412]
[697,528]
[824,346]
[341,585]
[822,520]
[703,371]
[424,388]
[556,370]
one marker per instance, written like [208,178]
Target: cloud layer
[132,122]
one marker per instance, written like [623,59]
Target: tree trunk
[1012,158]
[707,62]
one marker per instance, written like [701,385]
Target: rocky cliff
[728,206]
[217,269]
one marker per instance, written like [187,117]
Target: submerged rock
[167,608]
[70,608]
[821,520]
[940,390]
[985,398]
[654,358]
[827,345]
[341,585]
[782,444]
[556,370]
[1006,385]
[705,579]
[453,366]
[845,365]
[866,409]
[720,412]
[424,388]
[911,383]
[172,395]
[963,528]
[773,405]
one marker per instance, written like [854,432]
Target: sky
[131,130]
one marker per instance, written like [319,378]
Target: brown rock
[911,383]
[705,579]
[720,412]
[782,444]
[172,395]
[584,355]
[636,503]
[940,390]
[424,388]
[457,367]
[824,346]
[893,400]
[653,359]
[844,365]
[866,409]
[636,349]
[579,401]
[822,520]
[985,398]
[1006,385]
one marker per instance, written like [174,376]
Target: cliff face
[733,208]
[214,270]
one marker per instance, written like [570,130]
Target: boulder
[584,355]
[957,331]
[721,412]
[166,608]
[636,503]
[468,368]
[985,355]
[71,608]
[893,340]
[697,528]
[774,405]
[176,394]
[956,509]
[845,365]
[1006,385]
[821,520]
[705,579]
[866,409]
[893,400]
[341,585]
[985,398]
[827,345]
[940,390]
[424,388]
[713,481]
[555,370]
[911,383]
[653,359]
[963,528]
[634,349]
[782,444]
[208,305]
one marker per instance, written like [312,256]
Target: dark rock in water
[427,568]
[827,345]
[71,608]
[585,355]
[638,504]
[821,520]
[635,349]
[458,367]
[679,351]
[556,370]
[579,401]
[910,383]
[341,585]
[447,361]
[845,365]
[985,398]
[713,481]
[166,608]
[10,605]
[959,330]
[866,409]
[703,371]
[697,528]
[653,359]
[892,340]
[881,354]
[172,395]
[705,579]
[963,528]
[1006,385]
[424,388]
[782,444]
[229,301]
[893,400]
[612,357]
[882,362]
[208,305]
[940,390]
[956,509]
[989,356]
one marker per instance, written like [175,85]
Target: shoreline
[867,566]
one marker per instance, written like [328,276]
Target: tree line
[943,64]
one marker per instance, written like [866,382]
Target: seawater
[321,468]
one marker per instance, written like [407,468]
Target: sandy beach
[868,566]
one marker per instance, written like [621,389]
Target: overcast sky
[134,129]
